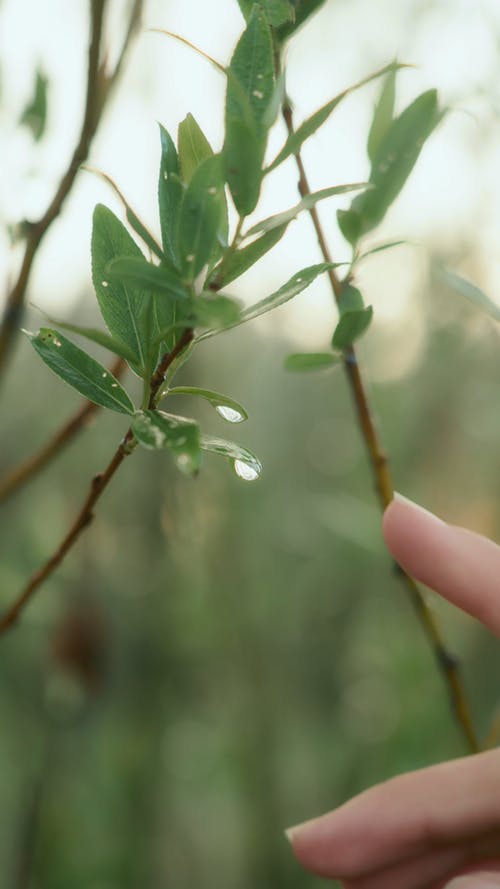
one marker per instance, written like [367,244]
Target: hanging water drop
[247,471]
[229,413]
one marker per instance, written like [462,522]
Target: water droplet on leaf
[105,283]
[247,471]
[229,413]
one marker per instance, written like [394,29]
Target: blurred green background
[217,660]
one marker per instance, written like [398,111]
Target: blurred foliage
[216,660]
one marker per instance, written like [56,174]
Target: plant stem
[447,663]
[217,282]
[97,487]
[25,471]
[99,87]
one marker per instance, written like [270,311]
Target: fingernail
[405,501]
[292,832]
[475,881]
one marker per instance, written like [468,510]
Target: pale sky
[452,200]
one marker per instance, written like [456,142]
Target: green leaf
[155,430]
[80,371]
[303,10]
[351,326]
[382,115]
[226,407]
[380,248]
[241,260]
[124,306]
[153,278]
[201,216]
[396,157]
[295,285]
[216,311]
[309,361]
[243,156]
[310,200]
[34,115]
[194,147]
[250,90]
[100,337]
[170,191]
[278,12]
[245,464]
[307,129]
[132,218]
[350,299]
[350,224]
[470,291]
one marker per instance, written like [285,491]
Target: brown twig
[99,87]
[97,487]
[25,471]
[447,663]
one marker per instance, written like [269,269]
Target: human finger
[460,565]
[403,818]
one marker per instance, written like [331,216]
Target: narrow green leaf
[241,260]
[215,311]
[250,90]
[351,326]
[350,224]
[154,278]
[194,147]
[307,129]
[100,337]
[310,361]
[156,430]
[380,248]
[252,66]
[34,116]
[470,291]
[201,216]
[124,306]
[226,407]
[310,200]
[350,299]
[278,12]
[303,10]
[170,192]
[80,371]
[295,285]
[396,157]
[382,115]
[132,218]
[245,464]
[243,156]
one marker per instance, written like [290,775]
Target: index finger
[460,565]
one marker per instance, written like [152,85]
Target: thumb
[478,880]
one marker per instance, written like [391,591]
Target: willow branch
[97,487]
[447,663]
[99,87]
[17,477]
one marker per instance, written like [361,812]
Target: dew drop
[229,413]
[114,385]
[105,283]
[212,190]
[57,343]
[260,76]
[190,257]
[165,174]
[258,94]
[181,440]
[104,375]
[247,471]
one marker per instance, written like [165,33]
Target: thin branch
[97,487]
[447,663]
[99,87]
[17,477]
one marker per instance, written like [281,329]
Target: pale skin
[440,826]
